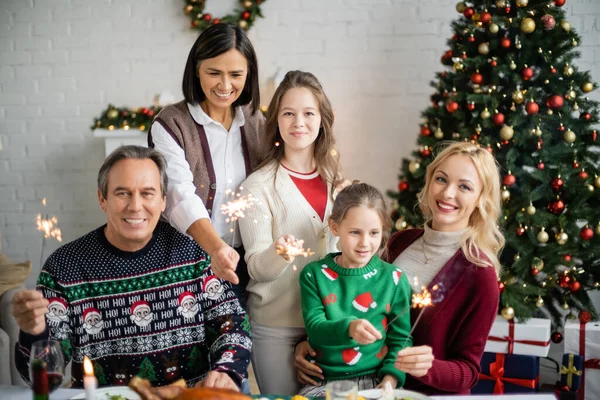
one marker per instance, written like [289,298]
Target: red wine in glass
[50,352]
[54,381]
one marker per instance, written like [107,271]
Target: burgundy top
[457,325]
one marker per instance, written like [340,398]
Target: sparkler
[420,300]
[292,249]
[48,227]
[236,208]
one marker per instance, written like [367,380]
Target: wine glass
[51,353]
[341,390]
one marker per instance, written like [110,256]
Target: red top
[313,188]
[458,326]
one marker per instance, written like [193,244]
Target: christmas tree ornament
[574,43]
[505,195]
[493,62]
[557,183]
[471,106]
[539,302]
[548,21]
[468,12]
[527,73]
[506,132]
[554,102]
[597,181]
[439,134]
[518,97]
[400,224]
[535,271]
[556,207]
[538,131]
[565,25]
[485,17]
[571,95]
[508,313]
[585,116]
[586,233]
[561,127]
[452,106]
[590,188]
[522,3]
[585,317]
[559,3]
[512,65]
[598,229]
[188,9]
[541,166]
[527,25]
[477,78]
[575,107]
[537,263]
[556,337]
[569,136]
[414,166]
[493,28]
[483,48]
[564,281]
[505,42]
[583,175]
[518,44]
[540,143]
[501,287]
[402,185]
[245,15]
[498,119]
[532,108]
[471,38]
[568,70]
[542,236]
[567,257]
[112,113]
[565,306]
[485,114]
[425,152]
[520,230]
[531,209]
[460,7]
[500,3]
[574,286]
[509,179]
[587,87]
[476,18]
[517,257]
[561,238]
[594,135]
[425,131]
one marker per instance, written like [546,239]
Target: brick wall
[63,61]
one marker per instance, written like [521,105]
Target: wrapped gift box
[570,372]
[507,373]
[583,339]
[531,338]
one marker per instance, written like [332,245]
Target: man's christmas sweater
[159,312]
[333,296]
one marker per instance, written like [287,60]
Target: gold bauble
[568,70]
[508,313]
[538,131]
[587,87]
[574,43]
[527,25]
[598,229]
[522,3]
[539,302]
[494,28]
[575,107]
[483,48]
[589,187]
[247,4]
[439,134]
[518,97]
[537,263]
[458,66]
[243,24]
[565,306]
[414,166]
[188,9]
[565,25]
[460,7]
[485,114]
[542,236]
[561,238]
[531,209]
[500,3]
[506,195]
[512,65]
[597,182]
[571,95]
[112,113]
[476,17]
[518,45]
[400,224]
[569,136]
[506,132]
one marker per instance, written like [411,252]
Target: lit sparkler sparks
[48,227]
[293,248]
[236,208]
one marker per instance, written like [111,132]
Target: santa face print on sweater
[212,289]
[188,306]
[92,321]
[141,313]
[57,311]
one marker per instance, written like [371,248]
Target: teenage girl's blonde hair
[326,157]
[362,194]
[483,241]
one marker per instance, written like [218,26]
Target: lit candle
[89,380]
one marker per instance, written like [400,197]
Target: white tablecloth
[23,393]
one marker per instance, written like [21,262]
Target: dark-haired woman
[210,140]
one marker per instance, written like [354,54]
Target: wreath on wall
[243,16]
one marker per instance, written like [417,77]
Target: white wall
[63,61]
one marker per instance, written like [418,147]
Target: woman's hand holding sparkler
[363,332]
[288,247]
[415,361]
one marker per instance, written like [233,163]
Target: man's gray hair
[137,153]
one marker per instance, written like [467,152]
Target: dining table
[24,393]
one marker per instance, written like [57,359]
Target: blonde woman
[458,251]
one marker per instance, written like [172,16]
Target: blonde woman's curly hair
[483,241]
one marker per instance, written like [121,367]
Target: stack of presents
[511,362]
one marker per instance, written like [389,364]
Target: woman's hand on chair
[306,369]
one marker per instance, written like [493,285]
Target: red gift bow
[497,374]
[592,363]
[511,339]
[558,388]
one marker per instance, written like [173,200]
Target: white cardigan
[274,291]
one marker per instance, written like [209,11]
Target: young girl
[356,307]
[294,187]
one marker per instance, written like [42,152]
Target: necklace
[428,259]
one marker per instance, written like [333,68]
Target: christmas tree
[512,86]
[99,373]
[196,361]
[147,370]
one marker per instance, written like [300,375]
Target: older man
[131,294]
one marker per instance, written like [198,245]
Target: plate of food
[111,393]
[395,394]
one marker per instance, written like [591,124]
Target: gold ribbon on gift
[570,370]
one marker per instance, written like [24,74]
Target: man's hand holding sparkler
[224,263]
[29,307]
[363,332]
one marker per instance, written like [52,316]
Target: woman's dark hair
[212,42]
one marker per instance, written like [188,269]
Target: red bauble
[207,17]
[498,119]
[594,135]
[195,23]
[556,337]
[145,111]
[540,143]
[493,63]
[575,165]
[402,186]
[470,106]
[520,231]
[471,39]
[541,166]
[451,106]
[567,257]
[559,3]
[124,113]
[505,42]
[468,12]
[425,131]
[477,78]
[245,15]
[557,184]
[509,180]
[532,108]
[426,153]
[561,128]
[548,21]
[464,55]
[507,10]
[557,207]
[555,102]
[216,21]
[586,233]
[553,70]
[583,175]
[485,17]
[151,113]
[527,73]
[535,271]
[585,317]
[501,287]
[585,116]
[564,281]
[574,286]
